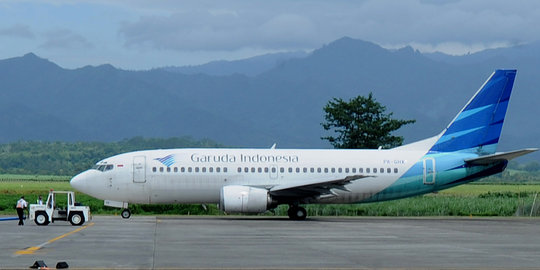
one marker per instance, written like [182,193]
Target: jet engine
[244,199]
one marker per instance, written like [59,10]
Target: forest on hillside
[70,158]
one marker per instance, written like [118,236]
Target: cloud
[302,24]
[451,48]
[17,31]
[219,30]
[65,39]
[438,2]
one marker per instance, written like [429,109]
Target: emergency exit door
[139,169]
[273,172]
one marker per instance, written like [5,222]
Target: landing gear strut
[297,213]
[125,213]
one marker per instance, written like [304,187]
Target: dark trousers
[21,214]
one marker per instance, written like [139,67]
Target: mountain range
[275,98]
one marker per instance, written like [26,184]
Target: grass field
[478,189]
[465,200]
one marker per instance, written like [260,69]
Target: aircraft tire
[41,219]
[125,213]
[76,219]
[297,213]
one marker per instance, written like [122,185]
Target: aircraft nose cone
[79,182]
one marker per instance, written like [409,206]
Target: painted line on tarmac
[31,250]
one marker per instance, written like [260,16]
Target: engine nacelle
[244,199]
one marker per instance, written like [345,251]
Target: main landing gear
[125,213]
[296,212]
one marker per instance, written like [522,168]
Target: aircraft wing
[313,188]
[487,159]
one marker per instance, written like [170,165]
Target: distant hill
[42,101]
[515,54]
[252,66]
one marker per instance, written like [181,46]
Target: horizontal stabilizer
[484,160]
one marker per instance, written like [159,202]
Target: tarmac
[165,242]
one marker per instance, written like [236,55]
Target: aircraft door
[429,171]
[139,169]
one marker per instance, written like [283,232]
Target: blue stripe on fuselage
[450,170]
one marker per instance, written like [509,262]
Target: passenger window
[274,169]
[290,170]
[239,169]
[189,169]
[388,170]
[340,170]
[304,170]
[225,169]
[259,170]
[266,169]
[160,169]
[361,170]
[218,169]
[395,170]
[374,170]
[367,170]
[281,170]
[246,169]
[333,170]
[203,169]
[182,169]
[319,170]
[211,169]
[354,170]
[154,169]
[346,170]
[297,170]
[312,170]
[175,169]
[196,169]
[325,170]
[168,169]
[252,169]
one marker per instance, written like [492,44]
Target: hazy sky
[132,34]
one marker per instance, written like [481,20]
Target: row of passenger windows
[316,170]
[190,169]
[275,169]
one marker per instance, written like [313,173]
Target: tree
[532,166]
[361,123]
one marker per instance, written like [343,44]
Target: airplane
[257,180]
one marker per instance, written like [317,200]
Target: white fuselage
[198,175]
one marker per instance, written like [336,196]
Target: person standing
[40,200]
[21,205]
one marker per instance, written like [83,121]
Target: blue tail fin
[478,126]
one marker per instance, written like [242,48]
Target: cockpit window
[103,167]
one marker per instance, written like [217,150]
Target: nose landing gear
[125,213]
